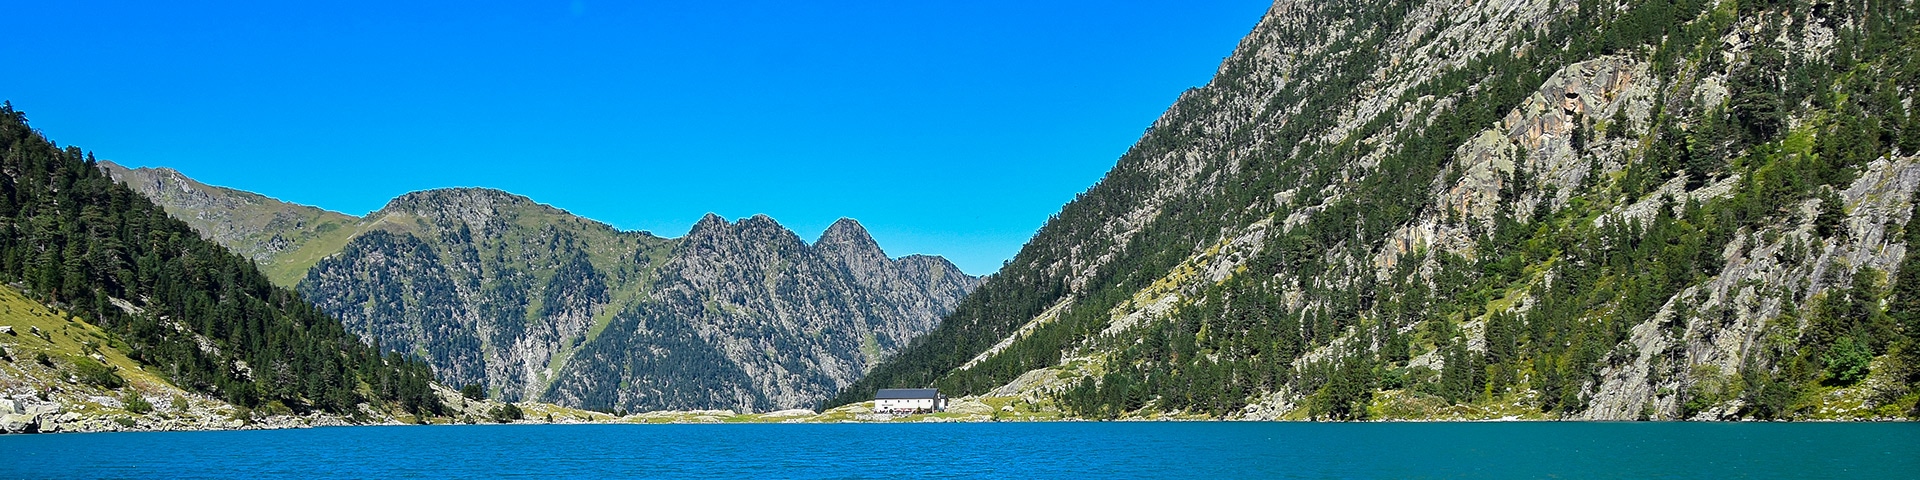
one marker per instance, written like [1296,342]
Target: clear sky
[949,128]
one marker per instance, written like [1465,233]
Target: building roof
[906,393]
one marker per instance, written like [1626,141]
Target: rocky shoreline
[29,414]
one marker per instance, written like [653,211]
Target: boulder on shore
[20,423]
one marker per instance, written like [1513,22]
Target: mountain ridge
[495,288]
[149,179]
[284,238]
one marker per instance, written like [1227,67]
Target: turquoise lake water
[996,450]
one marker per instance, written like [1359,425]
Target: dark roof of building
[906,393]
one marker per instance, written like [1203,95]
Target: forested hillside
[1539,209]
[178,305]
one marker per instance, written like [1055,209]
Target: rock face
[487,285]
[495,289]
[794,322]
[1529,209]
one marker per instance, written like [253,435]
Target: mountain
[786,323]
[1651,209]
[533,302]
[114,297]
[284,239]
[486,285]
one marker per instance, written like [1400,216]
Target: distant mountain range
[538,304]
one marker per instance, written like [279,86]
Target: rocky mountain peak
[759,228]
[709,225]
[452,199]
[762,232]
[485,212]
[793,322]
[846,235]
[758,221]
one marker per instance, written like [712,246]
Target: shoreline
[101,425]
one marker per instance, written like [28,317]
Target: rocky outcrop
[1707,334]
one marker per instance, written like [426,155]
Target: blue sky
[949,128]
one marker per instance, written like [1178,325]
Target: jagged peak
[758,228]
[709,224]
[847,234]
[760,220]
[764,227]
[845,226]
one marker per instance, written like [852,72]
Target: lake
[995,450]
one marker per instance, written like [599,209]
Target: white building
[907,400]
